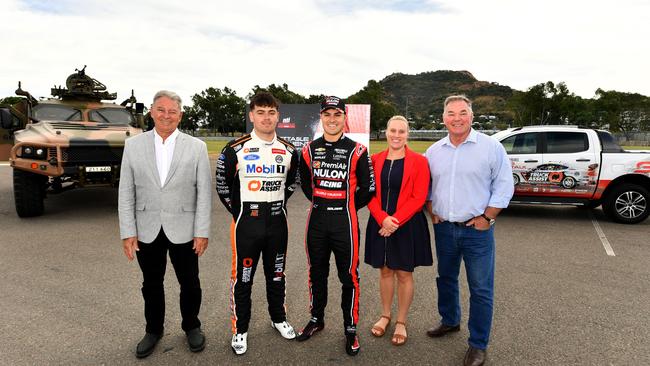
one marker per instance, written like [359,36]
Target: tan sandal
[378,331]
[399,339]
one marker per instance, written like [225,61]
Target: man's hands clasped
[130,246]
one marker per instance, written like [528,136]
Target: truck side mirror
[7,120]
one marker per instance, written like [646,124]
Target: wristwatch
[489,220]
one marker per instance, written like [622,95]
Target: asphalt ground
[69,296]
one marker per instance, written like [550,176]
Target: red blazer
[412,193]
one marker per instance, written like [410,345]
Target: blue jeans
[476,248]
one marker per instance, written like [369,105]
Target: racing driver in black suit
[336,176]
[256,174]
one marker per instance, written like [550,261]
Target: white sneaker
[239,344]
[285,329]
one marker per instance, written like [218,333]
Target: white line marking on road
[601,236]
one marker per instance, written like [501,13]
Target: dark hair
[264,99]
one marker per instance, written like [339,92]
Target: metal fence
[635,139]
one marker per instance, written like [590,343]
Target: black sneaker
[352,346]
[310,329]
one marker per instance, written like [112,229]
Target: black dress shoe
[195,339]
[474,357]
[441,330]
[147,345]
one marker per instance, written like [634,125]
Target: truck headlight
[33,152]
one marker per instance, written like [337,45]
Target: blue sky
[317,46]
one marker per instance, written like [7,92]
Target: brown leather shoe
[474,357]
[441,330]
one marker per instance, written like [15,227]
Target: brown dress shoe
[474,357]
[441,330]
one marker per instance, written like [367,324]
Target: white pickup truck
[578,166]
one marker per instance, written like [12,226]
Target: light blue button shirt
[467,178]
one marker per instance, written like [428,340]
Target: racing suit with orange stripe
[338,179]
[254,180]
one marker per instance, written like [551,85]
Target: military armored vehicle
[71,140]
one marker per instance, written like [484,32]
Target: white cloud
[322,47]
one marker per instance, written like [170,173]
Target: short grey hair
[459,97]
[398,118]
[171,95]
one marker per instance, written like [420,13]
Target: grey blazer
[182,206]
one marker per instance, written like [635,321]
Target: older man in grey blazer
[164,206]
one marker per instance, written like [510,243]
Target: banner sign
[300,123]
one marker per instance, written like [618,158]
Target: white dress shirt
[467,178]
[164,153]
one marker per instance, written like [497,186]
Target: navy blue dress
[410,245]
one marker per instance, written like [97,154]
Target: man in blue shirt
[471,181]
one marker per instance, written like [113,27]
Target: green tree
[380,108]
[549,103]
[219,110]
[624,112]
[191,120]
[281,92]
[315,99]
[10,100]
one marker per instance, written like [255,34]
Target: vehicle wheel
[627,204]
[568,182]
[29,192]
[515,179]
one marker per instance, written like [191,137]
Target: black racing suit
[338,179]
[254,180]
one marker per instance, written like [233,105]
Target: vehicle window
[609,143]
[523,143]
[111,115]
[45,112]
[566,142]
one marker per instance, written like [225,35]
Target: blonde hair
[398,118]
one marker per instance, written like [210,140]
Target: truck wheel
[515,178]
[568,182]
[29,192]
[627,204]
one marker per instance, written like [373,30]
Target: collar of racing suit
[332,143]
[257,138]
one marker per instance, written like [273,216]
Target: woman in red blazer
[397,235]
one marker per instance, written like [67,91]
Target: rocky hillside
[424,93]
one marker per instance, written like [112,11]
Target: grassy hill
[424,93]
